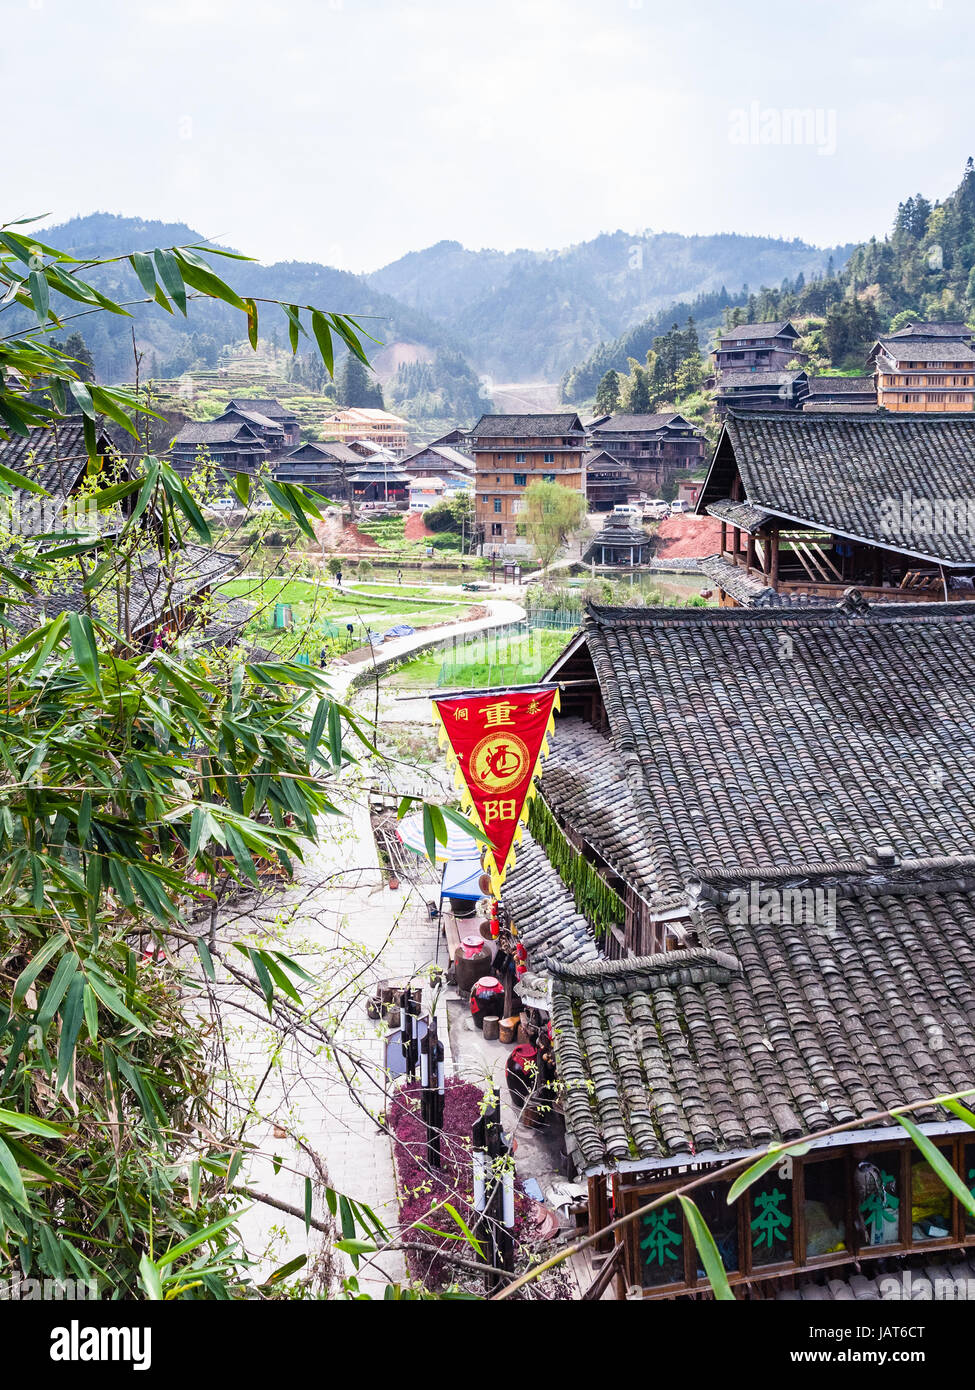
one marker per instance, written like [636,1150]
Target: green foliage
[552,512]
[134,785]
[355,386]
[595,900]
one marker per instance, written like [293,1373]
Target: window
[548,477]
[483,497]
[548,458]
[496,528]
[931,1205]
[660,1246]
[521,479]
[877,1198]
[824,1207]
[722,1222]
[497,504]
[520,458]
[517,506]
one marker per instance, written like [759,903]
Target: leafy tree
[136,779]
[551,514]
[355,387]
[608,393]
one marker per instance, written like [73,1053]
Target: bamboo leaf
[203,951]
[762,1165]
[72,1013]
[941,1165]
[708,1251]
[150,1280]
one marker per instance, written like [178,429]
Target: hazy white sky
[352,131]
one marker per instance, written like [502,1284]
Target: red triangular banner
[498,742]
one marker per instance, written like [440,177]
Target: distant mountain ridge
[512,316]
[524,315]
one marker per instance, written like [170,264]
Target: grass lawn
[506,662]
[315,604]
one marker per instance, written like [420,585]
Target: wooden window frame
[748,1272]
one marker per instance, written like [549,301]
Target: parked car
[656,509]
[223,504]
[627,509]
[679,507]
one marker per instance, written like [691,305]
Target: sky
[354,131]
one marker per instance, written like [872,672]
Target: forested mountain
[526,315]
[173,345]
[443,317]
[924,269]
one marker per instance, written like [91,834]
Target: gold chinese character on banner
[498,810]
[498,713]
[460,714]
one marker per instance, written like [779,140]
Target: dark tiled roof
[55,456]
[585,783]
[842,386]
[250,417]
[314,452]
[910,350]
[769,738]
[544,910]
[756,330]
[751,591]
[949,329]
[637,424]
[732,380]
[849,474]
[528,426]
[155,590]
[740,514]
[769,1031]
[217,432]
[608,465]
[273,409]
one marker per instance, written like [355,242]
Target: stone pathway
[342,923]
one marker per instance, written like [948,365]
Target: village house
[268,431]
[281,415]
[379,480]
[617,543]
[811,505]
[361,422]
[441,461]
[753,367]
[747,900]
[165,597]
[510,453]
[607,481]
[832,393]
[233,445]
[652,448]
[925,367]
[322,468]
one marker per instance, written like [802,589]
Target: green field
[491,661]
[316,604]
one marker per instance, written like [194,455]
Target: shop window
[877,1198]
[770,1221]
[930,1201]
[660,1246]
[722,1221]
[824,1207]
